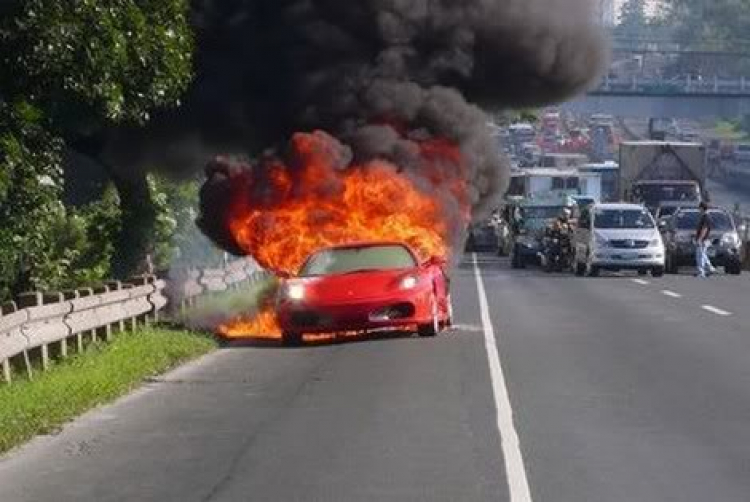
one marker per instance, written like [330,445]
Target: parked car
[617,237]
[742,153]
[483,236]
[364,287]
[679,237]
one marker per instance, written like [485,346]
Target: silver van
[618,237]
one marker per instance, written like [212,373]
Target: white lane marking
[671,294]
[518,484]
[641,282]
[715,310]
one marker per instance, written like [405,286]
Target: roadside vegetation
[97,376]
[733,130]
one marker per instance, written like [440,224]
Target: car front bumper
[684,254]
[629,259]
[361,315]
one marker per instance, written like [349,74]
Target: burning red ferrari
[364,287]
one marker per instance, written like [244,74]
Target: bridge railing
[677,86]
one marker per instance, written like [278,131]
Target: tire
[642,272]
[657,271]
[735,268]
[593,271]
[516,260]
[291,339]
[671,266]
[448,323]
[580,269]
[432,328]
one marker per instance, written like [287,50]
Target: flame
[262,326]
[281,214]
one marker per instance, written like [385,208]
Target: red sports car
[364,287]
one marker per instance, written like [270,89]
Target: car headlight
[295,291]
[409,282]
[730,239]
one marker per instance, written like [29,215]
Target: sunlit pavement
[621,388]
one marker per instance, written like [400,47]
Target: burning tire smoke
[385,80]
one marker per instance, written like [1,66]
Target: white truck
[652,172]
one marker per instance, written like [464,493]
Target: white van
[618,237]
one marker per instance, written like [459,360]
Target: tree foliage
[89,62]
[71,71]
[30,184]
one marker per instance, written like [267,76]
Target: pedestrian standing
[702,242]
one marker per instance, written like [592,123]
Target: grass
[100,374]
[726,129]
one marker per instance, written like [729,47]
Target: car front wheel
[291,339]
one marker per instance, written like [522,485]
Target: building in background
[606,12]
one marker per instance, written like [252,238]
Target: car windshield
[347,260]
[667,211]
[688,220]
[542,212]
[653,194]
[622,219]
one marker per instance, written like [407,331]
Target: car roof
[662,182]
[619,206]
[365,244]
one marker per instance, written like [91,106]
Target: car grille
[628,244]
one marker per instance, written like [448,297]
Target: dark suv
[679,240]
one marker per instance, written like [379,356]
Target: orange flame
[261,326]
[280,214]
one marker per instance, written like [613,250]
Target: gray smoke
[268,68]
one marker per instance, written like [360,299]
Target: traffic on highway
[637,209]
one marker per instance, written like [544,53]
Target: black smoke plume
[268,68]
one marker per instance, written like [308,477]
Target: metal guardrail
[681,86]
[41,325]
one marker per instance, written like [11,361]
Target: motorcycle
[557,253]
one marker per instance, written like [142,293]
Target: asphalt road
[622,389]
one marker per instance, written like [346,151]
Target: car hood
[627,233]
[356,286]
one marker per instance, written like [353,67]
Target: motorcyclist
[562,226]
[560,231]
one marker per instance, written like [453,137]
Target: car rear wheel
[291,339]
[433,327]
[448,313]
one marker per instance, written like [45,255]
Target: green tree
[633,21]
[30,185]
[88,66]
